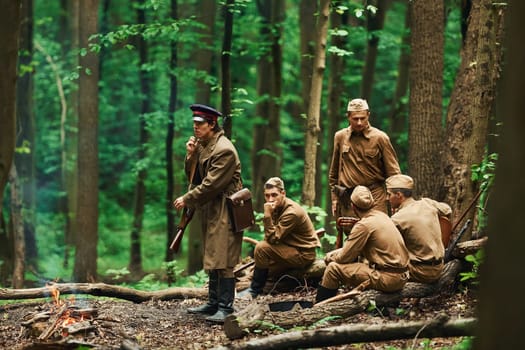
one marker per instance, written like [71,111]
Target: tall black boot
[226,296]
[213,301]
[258,281]
[324,293]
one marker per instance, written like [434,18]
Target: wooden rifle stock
[187,215]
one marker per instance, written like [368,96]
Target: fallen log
[105,290]
[257,314]
[359,333]
[465,248]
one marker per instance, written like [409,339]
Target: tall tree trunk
[226,69]
[504,253]
[204,58]
[69,36]
[398,113]
[374,24]
[471,105]
[135,263]
[9,34]
[85,268]
[335,101]
[267,153]
[170,133]
[426,84]
[314,108]
[17,225]
[25,160]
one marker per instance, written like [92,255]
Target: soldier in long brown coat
[418,222]
[290,240]
[214,169]
[363,155]
[376,239]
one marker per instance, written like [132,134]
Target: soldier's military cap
[203,113]
[275,182]
[400,181]
[356,105]
[362,197]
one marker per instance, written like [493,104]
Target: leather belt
[433,262]
[391,269]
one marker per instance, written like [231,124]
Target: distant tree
[398,112]
[267,151]
[471,104]
[314,108]
[226,81]
[170,134]
[375,21]
[9,34]
[139,201]
[336,104]
[69,35]
[426,85]
[85,268]
[25,141]
[17,227]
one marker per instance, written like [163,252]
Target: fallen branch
[346,295]
[105,290]
[359,333]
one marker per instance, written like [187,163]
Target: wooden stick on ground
[346,295]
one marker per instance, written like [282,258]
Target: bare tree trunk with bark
[9,32]
[25,158]
[471,104]
[426,84]
[17,225]
[85,268]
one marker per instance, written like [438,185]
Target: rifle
[450,248]
[187,215]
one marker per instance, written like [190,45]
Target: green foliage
[484,174]
[476,260]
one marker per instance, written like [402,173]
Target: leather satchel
[241,210]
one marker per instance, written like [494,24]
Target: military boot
[256,287]
[213,302]
[324,293]
[226,296]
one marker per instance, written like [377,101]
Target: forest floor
[166,324]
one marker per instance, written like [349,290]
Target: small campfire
[62,319]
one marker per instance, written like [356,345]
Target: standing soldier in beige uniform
[363,155]
[418,222]
[290,240]
[374,237]
[217,175]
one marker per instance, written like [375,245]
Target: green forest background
[120,101]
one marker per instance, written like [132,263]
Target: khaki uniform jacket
[291,225]
[219,175]
[366,159]
[418,222]
[377,239]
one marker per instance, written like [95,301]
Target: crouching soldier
[290,240]
[376,239]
